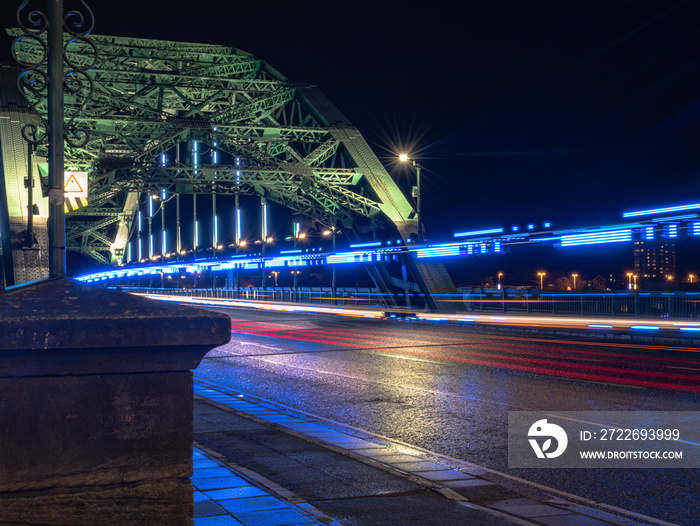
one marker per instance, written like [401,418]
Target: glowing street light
[629,275]
[574,276]
[542,275]
[416,191]
[635,281]
[499,280]
[691,277]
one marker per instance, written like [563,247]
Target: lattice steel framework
[278,139]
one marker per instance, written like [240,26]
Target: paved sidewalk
[224,496]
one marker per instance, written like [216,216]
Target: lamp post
[541,275]
[574,276]
[499,280]
[629,276]
[634,277]
[416,191]
[332,232]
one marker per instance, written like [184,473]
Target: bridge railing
[632,304]
[629,304]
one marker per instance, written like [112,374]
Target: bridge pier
[96,405]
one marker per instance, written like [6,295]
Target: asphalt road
[448,389]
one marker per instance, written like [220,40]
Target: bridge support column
[96,405]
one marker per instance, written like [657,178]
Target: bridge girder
[151,97]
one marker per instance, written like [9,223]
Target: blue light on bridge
[593,238]
[649,233]
[479,232]
[367,245]
[437,251]
[238,226]
[672,230]
[655,211]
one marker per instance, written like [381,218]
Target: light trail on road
[449,388]
[563,358]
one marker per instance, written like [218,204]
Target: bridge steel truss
[284,141]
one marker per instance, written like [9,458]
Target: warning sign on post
[76,184]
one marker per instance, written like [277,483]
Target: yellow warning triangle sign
[72,186]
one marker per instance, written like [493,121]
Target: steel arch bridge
[156,102]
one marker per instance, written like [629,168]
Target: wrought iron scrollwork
[80,55]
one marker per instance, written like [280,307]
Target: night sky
[519,111]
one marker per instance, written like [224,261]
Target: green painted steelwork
[156,97]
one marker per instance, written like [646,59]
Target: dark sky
[520,111]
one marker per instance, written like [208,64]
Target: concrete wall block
[94,430]
[166,503]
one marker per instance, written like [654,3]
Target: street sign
[76,184]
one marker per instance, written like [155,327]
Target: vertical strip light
[150,231]
[214,157]
[164,243]
[140,250]
[264,222]
[216,231]
[238,226]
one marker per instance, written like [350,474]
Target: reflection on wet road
[448,388]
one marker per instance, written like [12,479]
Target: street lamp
[691,277]
[635,281]
[499,280]
[416,191]
[574,276]
[275,273]
[542,275]
[629,275]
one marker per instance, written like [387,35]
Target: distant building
[654,259]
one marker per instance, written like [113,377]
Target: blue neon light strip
[645,327]
[365,245]
[614,236]
[654,211]
[433,252]
[479,232]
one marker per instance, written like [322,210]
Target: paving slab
[298,469]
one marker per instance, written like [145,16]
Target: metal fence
[633,304]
